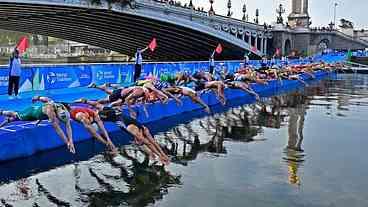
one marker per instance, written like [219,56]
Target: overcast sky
[321,11]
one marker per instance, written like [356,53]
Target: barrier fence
[45,77]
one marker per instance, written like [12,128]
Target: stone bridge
[309,41]
[182,33]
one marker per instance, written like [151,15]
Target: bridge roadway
[182,33]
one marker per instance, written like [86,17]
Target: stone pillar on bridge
[250,39]
[262,48]
[265,46]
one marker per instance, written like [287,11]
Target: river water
[305,148]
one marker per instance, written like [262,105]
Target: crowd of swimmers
[93,113]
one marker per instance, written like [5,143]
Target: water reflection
[208,135]
[146,182]
[294,154]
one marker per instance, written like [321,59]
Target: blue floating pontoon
[23,139]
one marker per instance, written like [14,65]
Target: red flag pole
[152,46]
[22,45]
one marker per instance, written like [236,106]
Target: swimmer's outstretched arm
[69,133]
[59,131]
[68,139]
[178,101]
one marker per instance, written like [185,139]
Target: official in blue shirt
[264,63]
[15,70]
[212,63]
[246,60]
[138,64]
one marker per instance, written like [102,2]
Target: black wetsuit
[113,115]
[116,95]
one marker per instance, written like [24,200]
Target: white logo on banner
[100,75]
[58,77]
[4,80]
[51,77]
[84,76]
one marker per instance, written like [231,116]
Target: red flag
[278,52]
[152,46]
[219,49]
[254,49]
[22,45]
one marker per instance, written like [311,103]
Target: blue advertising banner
[84,74]
[69,76]
[147,70]
[165,68]
[4,77]
[105,74]
[201,66]
[26,80]
[54,77]
[126,74]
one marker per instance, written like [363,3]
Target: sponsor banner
[187,67]
[205,66]
[58,77]
[126,74]
[233,66]
[26,80]
[4,78]
[165,68]
[105,74]
[147,70]
[84,74]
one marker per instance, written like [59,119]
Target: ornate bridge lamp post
[256,20]
[229,13]
[280,11]
[211,11]
[245,17]
[190,4]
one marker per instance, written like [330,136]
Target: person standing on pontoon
[212,63]
[138,64]
[15,70]
[246,60]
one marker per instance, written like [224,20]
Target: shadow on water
[130,179]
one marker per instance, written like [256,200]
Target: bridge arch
[125,29]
